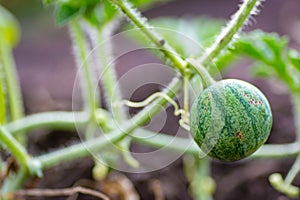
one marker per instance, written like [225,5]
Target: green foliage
[65,12]
[97,12]
[294,58]
[269,51]
[272,56]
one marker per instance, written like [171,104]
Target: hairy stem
[112,87]
[108,74]
[113,93]
[12,84]
[15,181]
[70,120]
[204,74]
[228,33]
[82,150]
[16,149]
[136,18]
[81,53]
[49,120]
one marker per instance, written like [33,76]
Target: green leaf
[48,2]
[272,55]
[104,12]
[97,12]
[294,58]
[276,43]
[65,12]
[253,46]
[190,36]
[223,60]
[262,70]
[100,14]
[268,48]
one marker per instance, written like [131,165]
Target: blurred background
[47,72]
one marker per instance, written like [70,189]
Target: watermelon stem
[204,74]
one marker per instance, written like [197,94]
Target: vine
[78,16]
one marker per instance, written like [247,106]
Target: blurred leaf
[271,52]
[189,36]
[65,12]
[276,43]
[266,47]
[47,2]
[104,12]
[223,60]
[100,14]
[97,12]
[9,27]
[294,58]
[252,45]
[260,69]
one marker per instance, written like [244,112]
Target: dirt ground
[45,49]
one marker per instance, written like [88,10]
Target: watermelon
[230,120]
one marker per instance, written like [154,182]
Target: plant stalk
[296,104]
[12,84]
[294,171]
[108,72]
[48,120]
[16,149]
[87,81]
[82,150]
[13,183]
[71,121]
[226,36]
[140,22]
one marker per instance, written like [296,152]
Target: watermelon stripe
[245,104]
[235,110]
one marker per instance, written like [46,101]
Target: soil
[47,73]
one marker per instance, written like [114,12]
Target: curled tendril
[185,116]
[279,184]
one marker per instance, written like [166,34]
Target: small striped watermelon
[230,120]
